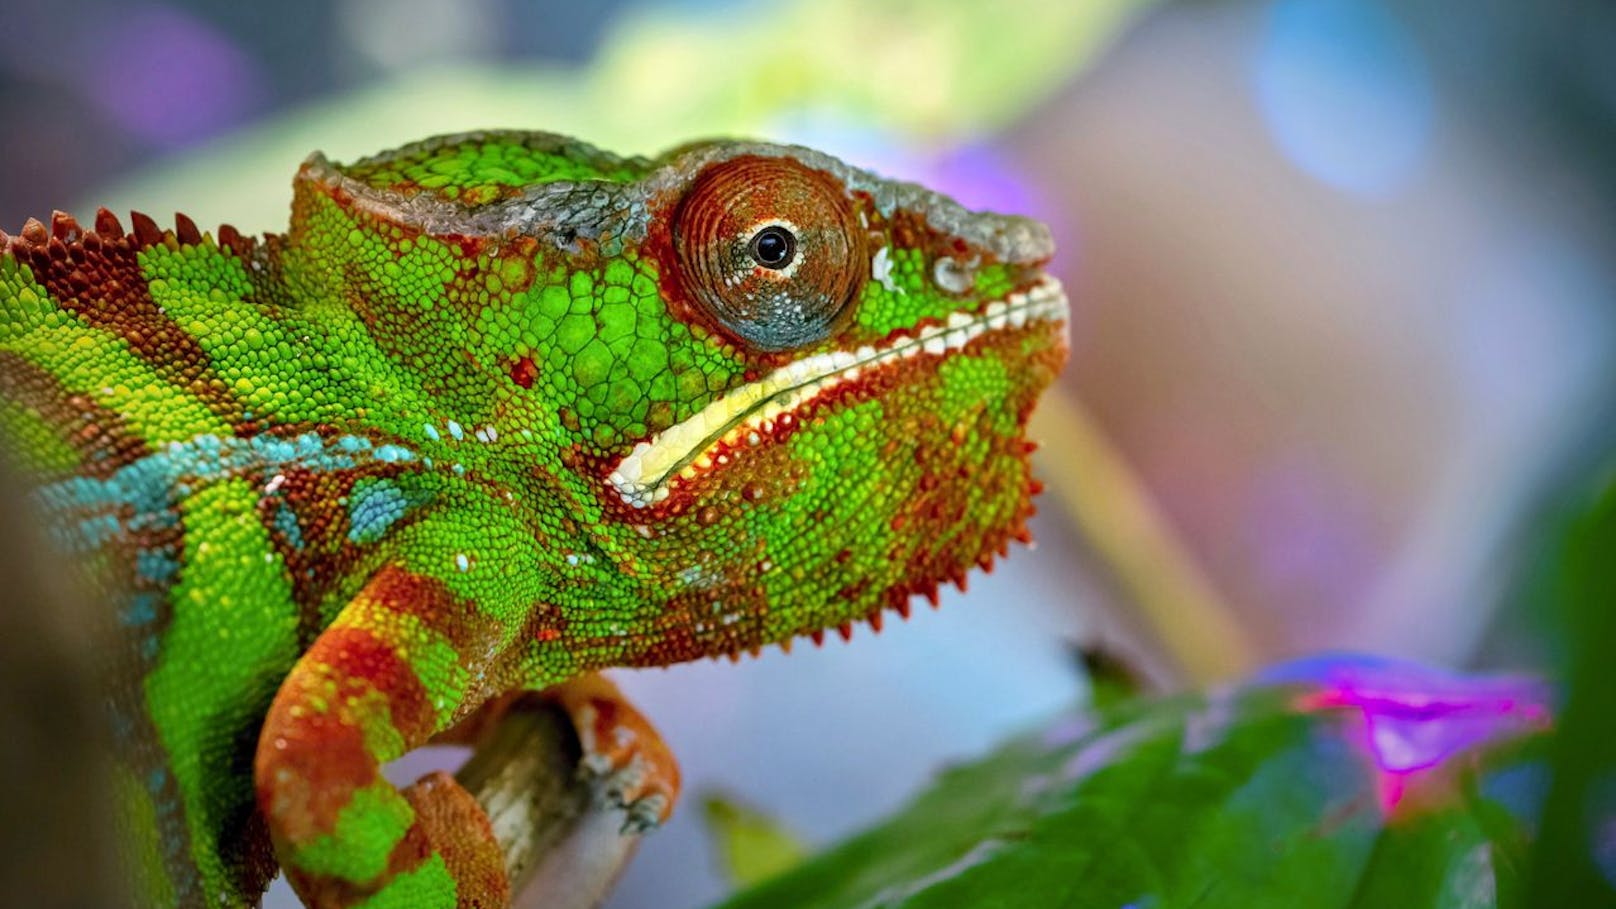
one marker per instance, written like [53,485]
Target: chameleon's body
[498,411]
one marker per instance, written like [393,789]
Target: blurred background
[1341,271]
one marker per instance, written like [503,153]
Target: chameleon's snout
[1012,239]
[1021,240]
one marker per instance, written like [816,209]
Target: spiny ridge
[107,224]
[185,230]
[901,602]
[65,233]
[65,228]
[145,231]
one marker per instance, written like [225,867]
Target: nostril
[954,275]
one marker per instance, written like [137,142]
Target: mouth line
[744,416]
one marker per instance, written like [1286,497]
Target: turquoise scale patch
[152,487]
[286,525]
[157,566]
[375,505]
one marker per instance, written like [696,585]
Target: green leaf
[1574,862]
[1333,783]
[752,846]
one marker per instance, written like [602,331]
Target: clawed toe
[628,786]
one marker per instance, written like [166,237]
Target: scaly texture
[498,411]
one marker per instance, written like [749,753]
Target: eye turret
[770,251]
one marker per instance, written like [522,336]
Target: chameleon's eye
[769,250]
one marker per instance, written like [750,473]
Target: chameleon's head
[782,394]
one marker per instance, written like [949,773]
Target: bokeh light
[1345,92]
[177,80]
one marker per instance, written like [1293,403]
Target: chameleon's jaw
[724,429]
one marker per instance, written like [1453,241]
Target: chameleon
[498,411]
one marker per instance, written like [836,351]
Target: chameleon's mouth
[745,416]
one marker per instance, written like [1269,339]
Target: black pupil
[773,247]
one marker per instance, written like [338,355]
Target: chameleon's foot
[569,779]
[626,788]
[626,760]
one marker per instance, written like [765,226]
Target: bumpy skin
[499,410]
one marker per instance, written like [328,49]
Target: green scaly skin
[498,411]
